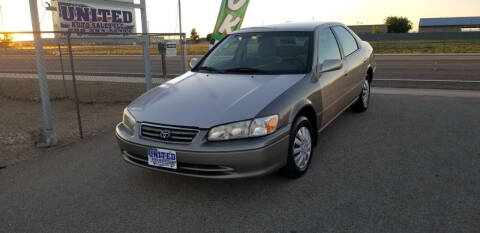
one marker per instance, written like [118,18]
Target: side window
[349,44]
[327,46]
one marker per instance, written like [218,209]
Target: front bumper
[217,160]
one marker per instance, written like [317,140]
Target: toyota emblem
[165,134]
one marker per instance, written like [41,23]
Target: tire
[361,105]
[302,132]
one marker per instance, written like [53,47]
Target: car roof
[311,26]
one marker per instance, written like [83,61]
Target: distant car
[253,105]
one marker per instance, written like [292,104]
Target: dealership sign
[230,17]
[100,16]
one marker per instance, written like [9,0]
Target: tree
[398,24]
[5,40]
[194,35]
[209,37]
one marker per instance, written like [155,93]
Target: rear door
[353,62]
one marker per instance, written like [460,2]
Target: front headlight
[128,119]
[263,126]
[230,131]
[244,129]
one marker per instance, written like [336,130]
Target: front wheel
[300,149]
[361,105]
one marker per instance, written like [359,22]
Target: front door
[332,84]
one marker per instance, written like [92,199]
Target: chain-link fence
[91,78]
[99,57]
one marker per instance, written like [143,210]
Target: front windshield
[262,52]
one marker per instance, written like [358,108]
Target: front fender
[298,107]
[303,94]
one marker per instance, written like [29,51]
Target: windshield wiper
[209,68]
[247,70]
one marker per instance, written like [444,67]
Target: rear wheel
[361,105]
[300,150]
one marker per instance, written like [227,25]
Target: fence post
[162,50]
[184,53]
[63,70]
[49,131]
[146,46]
[74,85]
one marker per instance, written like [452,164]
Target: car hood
[206,100]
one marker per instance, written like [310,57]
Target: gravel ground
[21,122]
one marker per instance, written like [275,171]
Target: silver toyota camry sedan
[252,105]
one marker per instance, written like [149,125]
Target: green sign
[230,17]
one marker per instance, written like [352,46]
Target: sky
[202,14]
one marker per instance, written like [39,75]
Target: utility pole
[49,131]
[146,45]
[180,14]
[184,43]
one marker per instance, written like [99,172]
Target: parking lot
[411,163]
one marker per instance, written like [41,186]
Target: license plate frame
[162,158]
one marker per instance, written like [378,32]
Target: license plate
[162,158]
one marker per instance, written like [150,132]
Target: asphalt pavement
[462,67]
[411,163]
[441,71]
[444,71]
[111,65]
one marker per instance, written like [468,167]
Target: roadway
[408,164]
[391,68]
[428,71]
[429,67]
[111,65]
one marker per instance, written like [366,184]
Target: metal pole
[146,46]
[63,71]
[164,60]
[184,47]
[49,131]
[74,85]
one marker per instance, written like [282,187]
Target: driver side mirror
[193,62]
[329,65]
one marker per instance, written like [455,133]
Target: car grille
[168,134]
